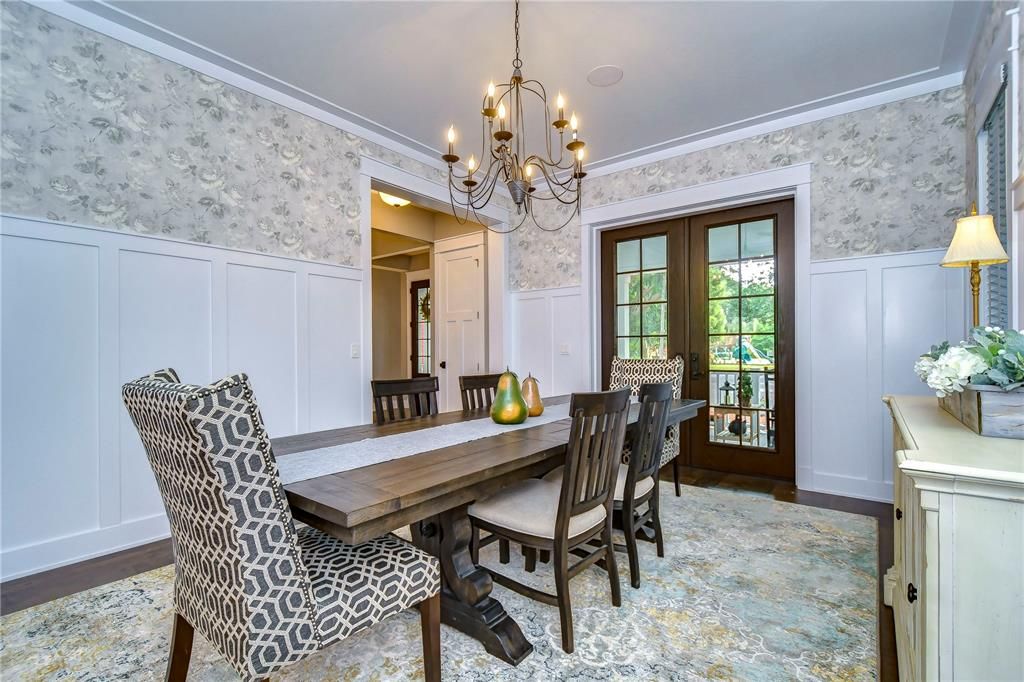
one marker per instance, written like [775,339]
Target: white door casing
[459,314]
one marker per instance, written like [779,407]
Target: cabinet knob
[911,593]
[899,513]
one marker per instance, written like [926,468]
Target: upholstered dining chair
[563,517]
[398,399]
[263,593]
[478,390]
[636,483]
[634,373]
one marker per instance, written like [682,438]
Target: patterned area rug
[749,589]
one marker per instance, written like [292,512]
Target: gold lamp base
[975,293]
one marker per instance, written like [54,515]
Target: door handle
[695,372]
[443,365]
[911,593]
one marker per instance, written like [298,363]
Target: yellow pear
[531,394]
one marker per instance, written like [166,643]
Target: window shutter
[997,288]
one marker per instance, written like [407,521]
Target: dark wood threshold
[32,590]
[785,491]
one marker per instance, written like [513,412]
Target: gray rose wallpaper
[102,134]
[885,179]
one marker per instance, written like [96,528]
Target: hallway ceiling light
[392,200]
[505,156]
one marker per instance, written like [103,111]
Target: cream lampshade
[975,243]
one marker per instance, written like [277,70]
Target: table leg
[466,602]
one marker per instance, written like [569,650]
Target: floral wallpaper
[885,179]
[97,132]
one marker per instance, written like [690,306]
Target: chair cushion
[642,486]
[530,507]
[356,586]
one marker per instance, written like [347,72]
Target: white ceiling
[692,69]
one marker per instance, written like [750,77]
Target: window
[419,292]
[641,298]
[992,187]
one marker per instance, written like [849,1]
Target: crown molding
[142,35]
[764,124]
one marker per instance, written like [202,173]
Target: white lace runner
[301,466]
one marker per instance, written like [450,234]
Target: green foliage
[1003,352]
[746,389]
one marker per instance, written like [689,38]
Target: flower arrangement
[992,356]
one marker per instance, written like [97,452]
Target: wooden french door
[716,288]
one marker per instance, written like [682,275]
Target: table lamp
[975,243]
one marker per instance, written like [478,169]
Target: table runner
[300,466]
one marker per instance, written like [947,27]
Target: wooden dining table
[431,492]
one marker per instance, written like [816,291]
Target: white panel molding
[875,316]
[546,339]
[160,302]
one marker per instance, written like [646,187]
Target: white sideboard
[957,583]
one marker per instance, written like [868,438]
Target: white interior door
[459,315]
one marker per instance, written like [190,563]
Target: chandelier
[506,158]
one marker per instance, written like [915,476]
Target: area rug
[749,589]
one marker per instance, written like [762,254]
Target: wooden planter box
[988,410]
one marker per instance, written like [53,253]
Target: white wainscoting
[549,339]
[85,310]
[871,318]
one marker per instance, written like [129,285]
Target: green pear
[509,406]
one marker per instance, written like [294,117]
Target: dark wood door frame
[681,331]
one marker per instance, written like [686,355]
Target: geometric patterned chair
[261,592]
[633,374]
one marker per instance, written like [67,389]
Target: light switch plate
[563,349]
[354,350]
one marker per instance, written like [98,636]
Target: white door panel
[459,319]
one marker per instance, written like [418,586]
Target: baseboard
[43,556]
[850,486]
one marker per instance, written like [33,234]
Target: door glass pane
[654,286]
[723,243]
[654,252]
[627,256]
[627,288]
[757,239]
[724,316]
[628,322]
[723,280]
[628,347]
[758,276]
[741,334]
[655,347]
[655,319]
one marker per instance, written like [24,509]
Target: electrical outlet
[563,349]
[354,350]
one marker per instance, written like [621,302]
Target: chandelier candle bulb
[450,157]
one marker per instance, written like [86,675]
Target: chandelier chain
[517,62]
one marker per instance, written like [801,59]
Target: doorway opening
[428,281]
[718,289]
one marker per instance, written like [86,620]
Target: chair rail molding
[86,309]
[789,181]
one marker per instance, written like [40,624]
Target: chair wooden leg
[628,521]
[544,556]
[610,565]
[561,558]
[430,621]
[503,551]
[655,504]
[531,559]
[181,650]
[675,475]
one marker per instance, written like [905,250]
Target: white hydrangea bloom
[952,371]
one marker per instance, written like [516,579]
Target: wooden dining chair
[398,399]
[634,373]
[478,390]
[263,593]
[563,517]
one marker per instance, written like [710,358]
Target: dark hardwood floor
[23,593]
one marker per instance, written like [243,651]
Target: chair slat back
[398,399]
[649,432]
[594,452]
[478,391]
